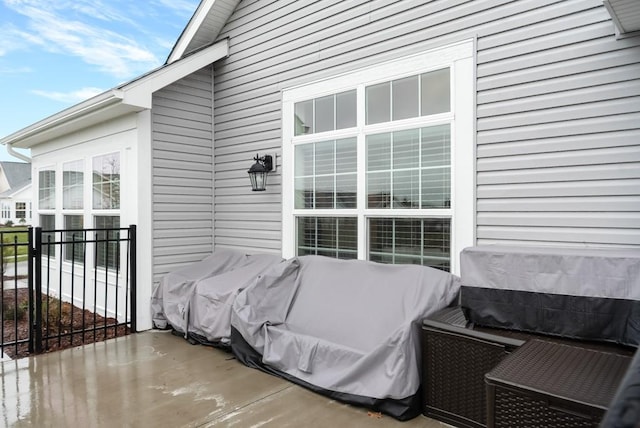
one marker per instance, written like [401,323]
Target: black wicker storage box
[546,384]
[455,360]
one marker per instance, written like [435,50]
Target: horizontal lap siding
[182,172]
[558,120]
[558,107]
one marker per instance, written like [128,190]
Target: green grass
[9,235]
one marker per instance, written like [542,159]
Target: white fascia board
[52,126]
[190,31]
[139,92]
[129,98]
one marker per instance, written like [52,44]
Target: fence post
[30,279]
[133,272]
[38,290]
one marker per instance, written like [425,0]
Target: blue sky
[57,53]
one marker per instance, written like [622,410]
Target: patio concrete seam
[221,417]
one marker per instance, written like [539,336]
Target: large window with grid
[378,164]
[47,189]
[73,185]
[106,182]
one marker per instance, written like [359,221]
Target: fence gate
[65,287]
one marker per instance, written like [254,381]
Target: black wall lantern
[258,172]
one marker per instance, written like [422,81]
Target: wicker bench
[456,357]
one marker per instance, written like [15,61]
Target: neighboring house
[15,193]
[403,132]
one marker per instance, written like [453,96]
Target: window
[47,189]
[6,210]
[72,185]
[382,168]
[73,225]
[21,210]
[106,182]
[108,245]
[328,236]
[48,225]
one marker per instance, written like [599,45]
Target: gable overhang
[11,193]
[625,15]
[130,97]
[203,28]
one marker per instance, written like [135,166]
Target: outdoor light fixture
[258,172]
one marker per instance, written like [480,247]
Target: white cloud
[70,97]
[13,39]
[52,29]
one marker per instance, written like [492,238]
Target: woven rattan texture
[516,410]
[454,373]
[581,375]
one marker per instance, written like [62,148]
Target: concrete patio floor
[155,379]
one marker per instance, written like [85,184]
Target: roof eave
[131,97]
[625,16]
[179,49]
[204,27]
[48,128]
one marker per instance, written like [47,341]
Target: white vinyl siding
[182,172]
[557,97]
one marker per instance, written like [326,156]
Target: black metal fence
[64,288]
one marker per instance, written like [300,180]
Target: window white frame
[460,59]
[87,212]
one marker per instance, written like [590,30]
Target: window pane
[47,189]
[72,185]
[324,160]
[436,188]
[378,103]
[73,251]
[327,236]
[435,94]
[379,152]
[21,210]
[409,169]
[346,191]
[405,98]
[406,189]
[325,175]
[48,224]
[304,192]
[324,114]
[346,155]
[325,192]
[106,181]
[304,160]
[379,190]
[436,167]
[346,110]
[303,121]
[406,149]
[410,241]
[107,245]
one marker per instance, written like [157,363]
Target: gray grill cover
[570,271]
[198,298]
[589,294]
[344,326]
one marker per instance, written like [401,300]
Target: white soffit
[203,28]
[625,15]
